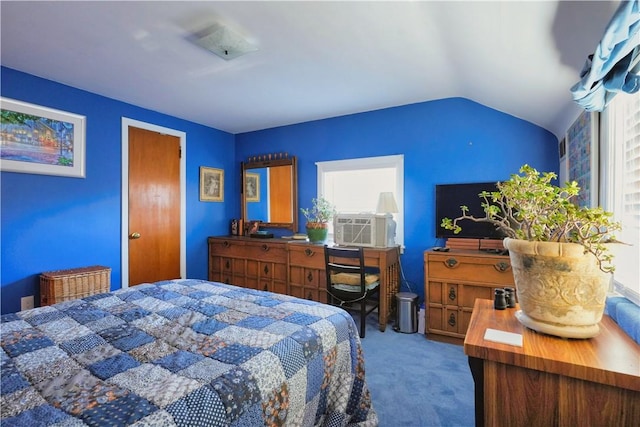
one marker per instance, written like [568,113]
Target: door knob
[134,236]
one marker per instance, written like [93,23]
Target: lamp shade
[387,203]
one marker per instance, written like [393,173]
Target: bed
[185,353]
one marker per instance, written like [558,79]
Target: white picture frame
[41,140]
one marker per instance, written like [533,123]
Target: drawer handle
[310,277]
[452,293]
[308,252]
[452,320]
[451,262]
[502,266]
[266,269]
[265,248]
[226,244]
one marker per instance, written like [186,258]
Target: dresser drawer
[266,270]
[266,251]
[308,277]
[442,293]
[227,247]
[451,267]
[309,256]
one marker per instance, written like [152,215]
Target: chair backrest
[345,261]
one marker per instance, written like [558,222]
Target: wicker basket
[65,285]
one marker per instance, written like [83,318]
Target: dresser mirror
[270,191]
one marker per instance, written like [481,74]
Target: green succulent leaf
[529,206]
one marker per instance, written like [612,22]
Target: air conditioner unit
[367,230]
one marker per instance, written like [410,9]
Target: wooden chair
[350,284]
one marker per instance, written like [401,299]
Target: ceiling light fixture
[223,41]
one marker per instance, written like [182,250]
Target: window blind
[620,187]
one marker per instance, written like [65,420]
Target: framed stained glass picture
[582,157]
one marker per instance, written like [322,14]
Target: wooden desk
[294,268]
[307,274]
[552,381]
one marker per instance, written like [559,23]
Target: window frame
[395,161]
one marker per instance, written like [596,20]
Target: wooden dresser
[552,381]
[307,277]
[293,268]
[453,281]
[250,263]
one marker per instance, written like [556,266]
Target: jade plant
[529,207]
[321,212]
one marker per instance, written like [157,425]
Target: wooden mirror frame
[270,161]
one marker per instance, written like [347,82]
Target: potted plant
[318,217]
[558,250]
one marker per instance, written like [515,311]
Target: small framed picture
[211,184]
[252,190]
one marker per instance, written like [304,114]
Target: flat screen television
[449,198]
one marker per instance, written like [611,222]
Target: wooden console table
[552,381]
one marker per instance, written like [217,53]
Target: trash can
[406,312]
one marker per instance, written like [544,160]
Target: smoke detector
[223,41]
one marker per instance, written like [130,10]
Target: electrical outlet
[26,302]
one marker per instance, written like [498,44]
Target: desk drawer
[307,255]
[450,267]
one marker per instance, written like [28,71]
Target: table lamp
[387,206]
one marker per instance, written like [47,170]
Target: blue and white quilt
[183,353]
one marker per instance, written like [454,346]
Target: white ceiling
[315,59]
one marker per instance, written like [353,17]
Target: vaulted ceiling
[315,59]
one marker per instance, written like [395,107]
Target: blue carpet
[417,382]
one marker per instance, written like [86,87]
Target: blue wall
[446,141]
[50,223]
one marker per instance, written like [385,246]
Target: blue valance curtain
[614,65]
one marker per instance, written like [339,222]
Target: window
[353,185]
[620,186]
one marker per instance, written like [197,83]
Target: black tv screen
[449,198]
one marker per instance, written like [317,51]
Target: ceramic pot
[560,288]
[317,231]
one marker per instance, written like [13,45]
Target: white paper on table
[503,337]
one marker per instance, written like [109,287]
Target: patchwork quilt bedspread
[183,353]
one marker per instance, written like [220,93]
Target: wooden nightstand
[552,381]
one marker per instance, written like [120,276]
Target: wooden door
[154,206]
